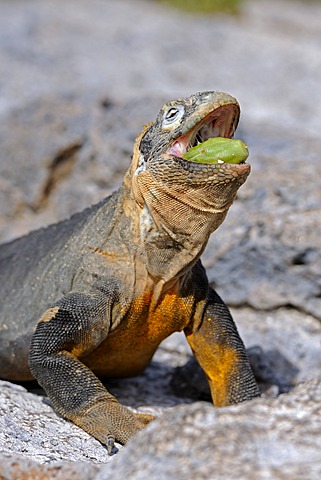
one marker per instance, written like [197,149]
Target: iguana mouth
[221,122]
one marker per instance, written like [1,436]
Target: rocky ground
[78,80]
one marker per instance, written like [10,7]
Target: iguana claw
[110,443]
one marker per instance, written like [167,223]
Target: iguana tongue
[177,149]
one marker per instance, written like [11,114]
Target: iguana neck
[170,249]
[173,227]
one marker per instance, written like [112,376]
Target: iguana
[93,296]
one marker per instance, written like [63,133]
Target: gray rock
[30,427]
[17,467]
[53,160]
[268,55]
[293,334]
[262,439]
[266,438]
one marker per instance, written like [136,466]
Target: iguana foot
[142,418]
[110,421]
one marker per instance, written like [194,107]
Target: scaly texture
[96,294]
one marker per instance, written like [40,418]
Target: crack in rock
[59,169]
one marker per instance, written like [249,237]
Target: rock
[17,467]
[265,438]
[270,438]
[30,427]
[290,340]
[53,156]
[271,369]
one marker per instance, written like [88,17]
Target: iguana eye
[173,114]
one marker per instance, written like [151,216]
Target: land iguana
[93,296]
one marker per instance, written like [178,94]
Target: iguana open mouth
[221,122]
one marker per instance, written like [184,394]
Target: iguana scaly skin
[96,294]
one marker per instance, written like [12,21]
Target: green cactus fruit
[218,150]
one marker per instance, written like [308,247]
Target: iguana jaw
[220,122]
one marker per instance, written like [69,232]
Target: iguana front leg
[74,327]
[220,352]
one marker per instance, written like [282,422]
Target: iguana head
[180,125]
[186,199]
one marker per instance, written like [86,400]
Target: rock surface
[28,425]
[78,81]
[275,438]
[17,467]
[266,438]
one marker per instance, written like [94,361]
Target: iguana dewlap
[95,295]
